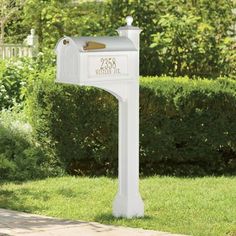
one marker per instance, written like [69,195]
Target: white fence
[28,49]
[15,50]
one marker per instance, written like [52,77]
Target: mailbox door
[108,66]
[67,64]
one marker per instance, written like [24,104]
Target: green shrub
[187,127]
[13,77]
[21,157]
[186,45]
[64,120]
[15,74]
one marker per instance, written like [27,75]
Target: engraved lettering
[108,66]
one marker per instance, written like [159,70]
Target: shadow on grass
[10,199]
[66,192]
[108,218]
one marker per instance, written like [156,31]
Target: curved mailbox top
[97,44]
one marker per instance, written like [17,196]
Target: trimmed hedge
[76,124]
[187,127]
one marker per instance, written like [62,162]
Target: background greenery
[21,155]
[179,37]
[183,130]
[187,116]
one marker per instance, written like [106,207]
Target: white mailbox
[111,63]
[118,60]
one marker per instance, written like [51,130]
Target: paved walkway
[19,223]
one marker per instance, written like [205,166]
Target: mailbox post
[112,63]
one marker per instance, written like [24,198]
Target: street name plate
[107,66]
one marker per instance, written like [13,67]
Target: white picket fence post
[29,48]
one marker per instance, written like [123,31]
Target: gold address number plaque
[111,66]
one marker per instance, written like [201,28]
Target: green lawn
[200,206]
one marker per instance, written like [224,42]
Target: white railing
[28,49]
[15,50]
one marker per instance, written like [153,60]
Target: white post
[128,202]
[32,41]
[3,52]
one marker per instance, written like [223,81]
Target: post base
[128,207]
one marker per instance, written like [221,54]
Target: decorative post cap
[32,31]
[130,31]
[129,20]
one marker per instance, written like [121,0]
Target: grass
[200,206]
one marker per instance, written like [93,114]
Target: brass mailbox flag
[90,45]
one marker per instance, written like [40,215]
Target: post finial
[129,20]
[32,31]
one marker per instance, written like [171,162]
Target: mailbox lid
[114,43]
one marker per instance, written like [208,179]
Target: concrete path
[19,223]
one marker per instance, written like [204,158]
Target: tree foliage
[53,19]
[8,10]
[180,37]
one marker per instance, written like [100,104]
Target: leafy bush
[187,126]
[188,46]
[21,157]
[13,77]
